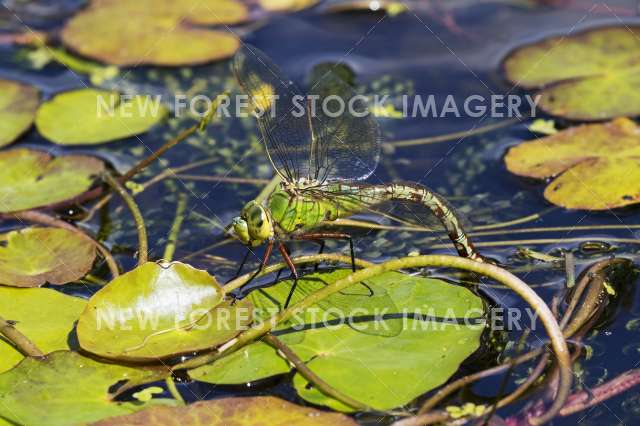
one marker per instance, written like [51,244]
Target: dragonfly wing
[346,137]
[285,132]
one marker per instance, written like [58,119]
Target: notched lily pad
[249,411]
[18,104]
[31,178]
[590,75]
[31,257]
[594,167]
[440,326]
[46,316]
[66,389]
[90,116]
[157,311]
[124,32]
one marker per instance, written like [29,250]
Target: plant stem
[172,240]
[22,342]
[143,245]
[173,390]
[312,377]
[540,241]
[36,216]
[556,337]
[268,189]
[227,179]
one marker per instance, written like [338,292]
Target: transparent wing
[326,136]
[346,138]
[286,133]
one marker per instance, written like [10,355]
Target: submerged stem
[143,245]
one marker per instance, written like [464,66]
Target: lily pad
[66,388]
[594,166]
[590,75]
[31,257]
[18,104]
[259,410]
[31,178]
[159,310]
[286,5]
[90,116]
[372,369]
[124,32]
[46,316]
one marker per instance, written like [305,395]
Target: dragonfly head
[253,226]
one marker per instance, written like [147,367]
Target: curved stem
[22,342]
[44,219]
[312,377]
[173,390]
[172,240]
[143,245]
[558,342]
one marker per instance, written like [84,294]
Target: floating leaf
[31,178]
[90,116]
[18,104]
[372,369]
[31,257]
[257,410]
[46,316]
[66,389]
[591,75]
[286,5]
[595,166]
[159,310]
[124,32]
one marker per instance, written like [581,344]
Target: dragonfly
[322,156]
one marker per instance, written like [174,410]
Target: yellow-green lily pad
[159,310]
[46,316]
[91,116]
[155,32]
[31,257]
[590,75]
[250,411]
[286,5]
[18,104]
[66,389]
[594,166]
[31,178]
[440,324]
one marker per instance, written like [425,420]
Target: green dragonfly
[322,159]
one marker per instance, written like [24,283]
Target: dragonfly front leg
[263,263]
[292,267]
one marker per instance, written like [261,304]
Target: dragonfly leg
[285,255]
[244,260]
[265,261]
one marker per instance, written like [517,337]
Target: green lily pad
[258,410]
[372,369]
[66,389]
[31,257]
[590,75]
[18,104]
[593,167]
[159,310]
[31,178]
[123,32]
[46,316]
[90,116]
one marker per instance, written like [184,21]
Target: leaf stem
[172,240]
[22,342]
[143,245]
[312,377]
[173,390]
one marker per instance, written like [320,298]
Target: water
[409,53]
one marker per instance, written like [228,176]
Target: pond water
[414,53]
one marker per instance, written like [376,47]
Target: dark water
[409,53]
